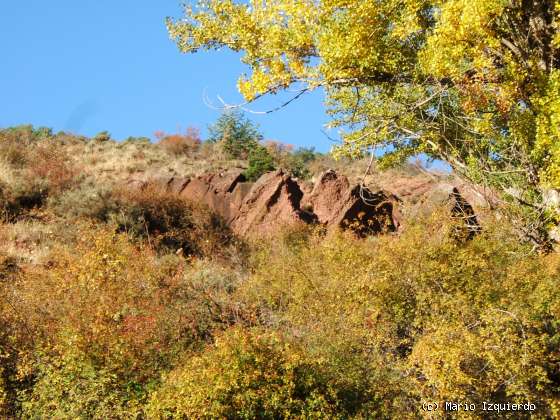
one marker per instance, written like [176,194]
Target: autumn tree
[473,82]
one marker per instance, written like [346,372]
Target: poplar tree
[475,83]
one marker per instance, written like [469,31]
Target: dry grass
[111,162]
[28,241]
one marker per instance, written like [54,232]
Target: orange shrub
[50,164]
[180,144]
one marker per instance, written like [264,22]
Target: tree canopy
[473,82]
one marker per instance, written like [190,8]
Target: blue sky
[92,65]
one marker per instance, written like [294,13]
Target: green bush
[235,133]
[102,136]
[259,162]
[299,160]
[27,133]
[72,386]
[294,162]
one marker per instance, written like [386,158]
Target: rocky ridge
[277,200]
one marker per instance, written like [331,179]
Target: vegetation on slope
[101,317]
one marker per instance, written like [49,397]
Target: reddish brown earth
[327,194]
[215,191]
[239,193]
[277,200]
[273,201]
[337,205]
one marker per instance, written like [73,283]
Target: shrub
[260,161]
[245,375]
[236,134]
[27,133]
[294,162]
[14,144]
[170,223]
[87,200]
[102,136]
[137,140]
[33,167]
[50,164]
[69,139]
[297,162]
[71,385]
[18,200]
[99,325]
[8,360]
[8,267]
[181,144]
[164,220]
[43,133]
[423,317]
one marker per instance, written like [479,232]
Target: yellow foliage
[99,325]
[471,82]
[245,374]
[469,322]
[331,327]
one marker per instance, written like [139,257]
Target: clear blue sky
[91,65]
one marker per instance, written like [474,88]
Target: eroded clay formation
[276,200]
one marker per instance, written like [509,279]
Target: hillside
[58,179]
[124,296]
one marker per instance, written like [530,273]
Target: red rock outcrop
[215,191]
[236,198]
[177,184]
[226,182]
[326,195]
[172,184]
[273,202]
[339,206]
[196,190]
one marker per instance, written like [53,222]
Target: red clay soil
[277,200]
[328,191]
[359,209]
[273,202]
